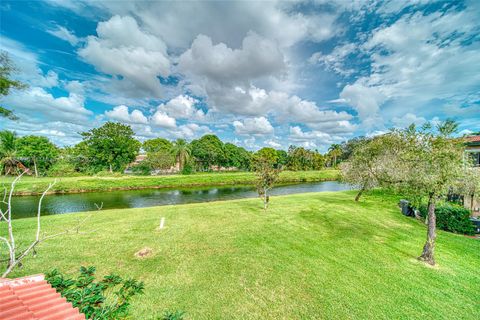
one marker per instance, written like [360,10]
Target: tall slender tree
[182,151]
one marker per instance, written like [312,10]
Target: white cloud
[335,61]
[408,119]
[37,101]
[257,58]
[120,113]
[273,144]
[253,126]
[419,60]
[161,119]
[121,48]
[64,34]
[183,107]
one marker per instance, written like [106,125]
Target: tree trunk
[35,166]
[429,247]
[359,194]
[472,197]
[265,201]
[110,168]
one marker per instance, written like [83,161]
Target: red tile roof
[32,298]
[473,138]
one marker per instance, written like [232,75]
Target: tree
[429,164]
[8,152]
[469,184]
[208,150]
[267,155]
[157,144]
[368,165]
[282,157]
[111,146]
[237,156]
[266,175]
[37,150]
[7,69]
[335,151]
[182,151]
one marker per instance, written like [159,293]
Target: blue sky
[308,73]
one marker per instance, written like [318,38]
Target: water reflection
[26,206]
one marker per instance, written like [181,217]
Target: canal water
[26,206]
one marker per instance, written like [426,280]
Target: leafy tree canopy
[111,146]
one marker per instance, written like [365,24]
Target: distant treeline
[113,148]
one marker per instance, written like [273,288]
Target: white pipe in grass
[162,222]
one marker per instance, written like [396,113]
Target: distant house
[33,298]
[473,148]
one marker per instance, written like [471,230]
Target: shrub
[451,217]
[187,169]
[106,173]
[142,169]
[104,300]
[62,168]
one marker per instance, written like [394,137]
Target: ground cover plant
[313,256]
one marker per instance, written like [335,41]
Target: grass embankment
[310,256]
[30,185]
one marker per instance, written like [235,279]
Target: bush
[451,217]
[142,169]
[177,315]
[187,169]
[106,173]
[62,168]
[103,300]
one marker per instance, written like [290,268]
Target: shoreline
[103,184]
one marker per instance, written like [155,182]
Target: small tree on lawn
[369,165]
[431,162]
[267,175]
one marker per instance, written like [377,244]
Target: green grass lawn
[29,185]
[310,256]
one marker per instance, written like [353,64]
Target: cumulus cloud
[253,126]
[183,107]
[122,49]
[37,101]
[161,119]
[120,113]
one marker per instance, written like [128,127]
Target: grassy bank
[311,256]
[31,185]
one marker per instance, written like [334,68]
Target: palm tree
[181,151]
[335,150]
[8,151]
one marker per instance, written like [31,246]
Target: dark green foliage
[237,156]
[187,168]
[104,300]
[63,168]
[111,147]
[143,169]
[6,113]
[208,151]
[157,144]
[7,69]
[451,217]
[36,152]
[300,158]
